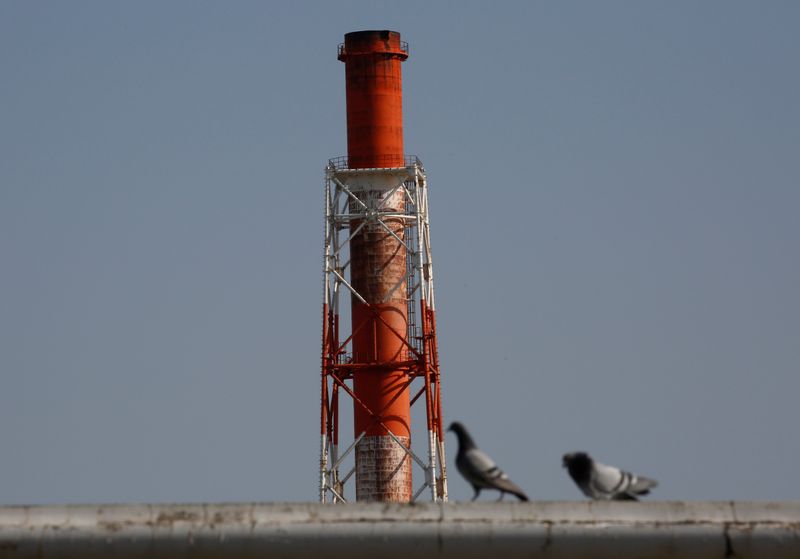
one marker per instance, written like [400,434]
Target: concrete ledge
[620,530]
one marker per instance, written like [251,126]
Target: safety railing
[387,161]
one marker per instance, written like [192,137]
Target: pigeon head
[578,463]
[461,432]
[456,427]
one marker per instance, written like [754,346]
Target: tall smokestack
[378,264]
[379,197]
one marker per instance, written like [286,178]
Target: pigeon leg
[500,498]
[477,492]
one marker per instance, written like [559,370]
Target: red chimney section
[374,98]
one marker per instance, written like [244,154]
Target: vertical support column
[377,266]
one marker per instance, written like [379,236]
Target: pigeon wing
[612,483]
[479,468]
[607,480]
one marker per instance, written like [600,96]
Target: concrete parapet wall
[689,530]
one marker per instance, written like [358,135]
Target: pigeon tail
[507,486]
[642,485]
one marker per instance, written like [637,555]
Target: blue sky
[614,197]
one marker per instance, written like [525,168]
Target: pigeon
[601,482]
[480,470]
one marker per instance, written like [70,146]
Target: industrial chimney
[377,249]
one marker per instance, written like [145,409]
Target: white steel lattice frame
[342,207]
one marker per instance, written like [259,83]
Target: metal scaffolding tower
[354,207]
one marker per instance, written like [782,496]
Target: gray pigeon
[601,482]
[480,470]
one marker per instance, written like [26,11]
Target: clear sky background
[615,191]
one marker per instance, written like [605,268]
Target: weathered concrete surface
[688,530]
